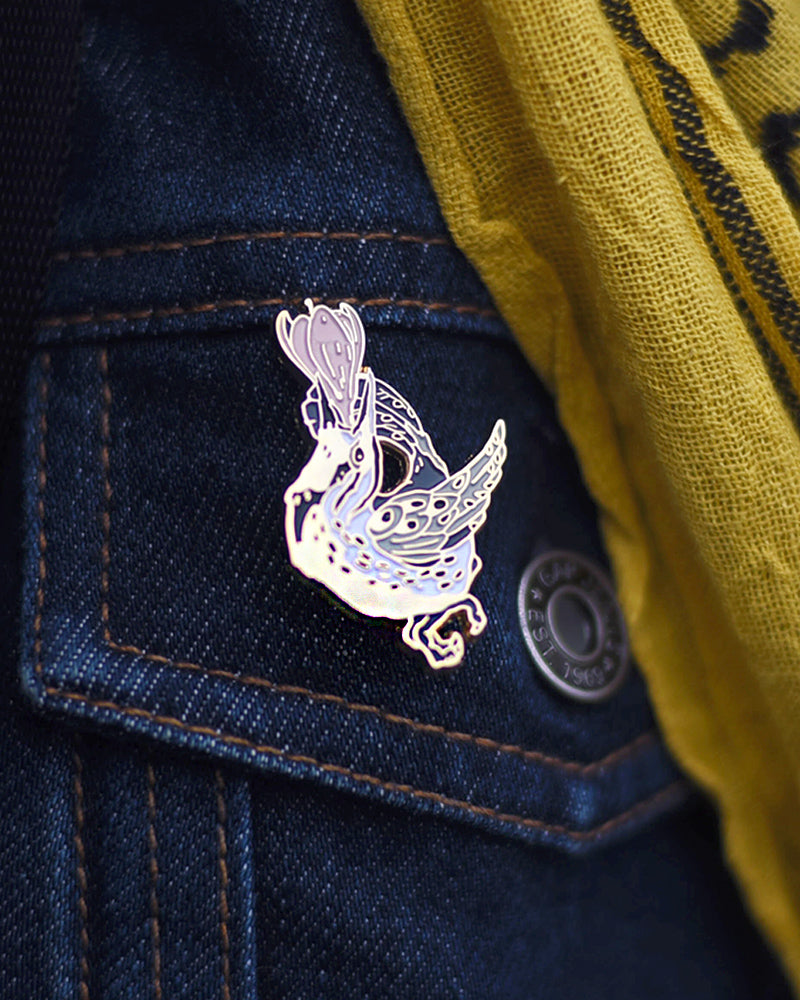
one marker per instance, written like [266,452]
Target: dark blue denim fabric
[222,783]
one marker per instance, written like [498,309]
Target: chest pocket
[160,601]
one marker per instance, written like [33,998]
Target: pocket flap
[160,600]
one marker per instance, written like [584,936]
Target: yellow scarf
[625,175]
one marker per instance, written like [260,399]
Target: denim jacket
[220,782]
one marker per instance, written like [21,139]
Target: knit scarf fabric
[625,175]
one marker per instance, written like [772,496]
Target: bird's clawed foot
[424,633]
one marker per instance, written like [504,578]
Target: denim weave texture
[220,782]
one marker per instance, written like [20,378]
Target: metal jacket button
[573,625]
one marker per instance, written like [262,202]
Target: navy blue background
[273,798]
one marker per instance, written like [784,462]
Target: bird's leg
[472,609]
[411,631]
[423,634]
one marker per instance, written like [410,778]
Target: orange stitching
[41,485]
[224,912]
[155,915]
[424,727]
[257,237]
[81,319]
[83,910]
[105,430]
[484,742]
[389,786]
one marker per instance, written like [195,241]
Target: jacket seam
[153,872]
[224,305]
[223,879]
[41,489]
[82,880]
[257,236]
[675,788]
[483,742]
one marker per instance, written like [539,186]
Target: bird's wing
[418,524]
[398,424]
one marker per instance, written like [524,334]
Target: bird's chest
[342,558]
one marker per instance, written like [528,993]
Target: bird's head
[327,345]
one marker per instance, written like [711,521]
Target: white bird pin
[402,551]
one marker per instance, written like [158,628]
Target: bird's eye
[358,455]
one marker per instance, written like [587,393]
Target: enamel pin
[403,549]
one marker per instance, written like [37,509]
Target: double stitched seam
[80,852]
[41,487]
[162,312]
[152,865]
[77,761]
[653,801]
[484,742]
[105,434]
[163,246]
[224,911]
[674,790]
